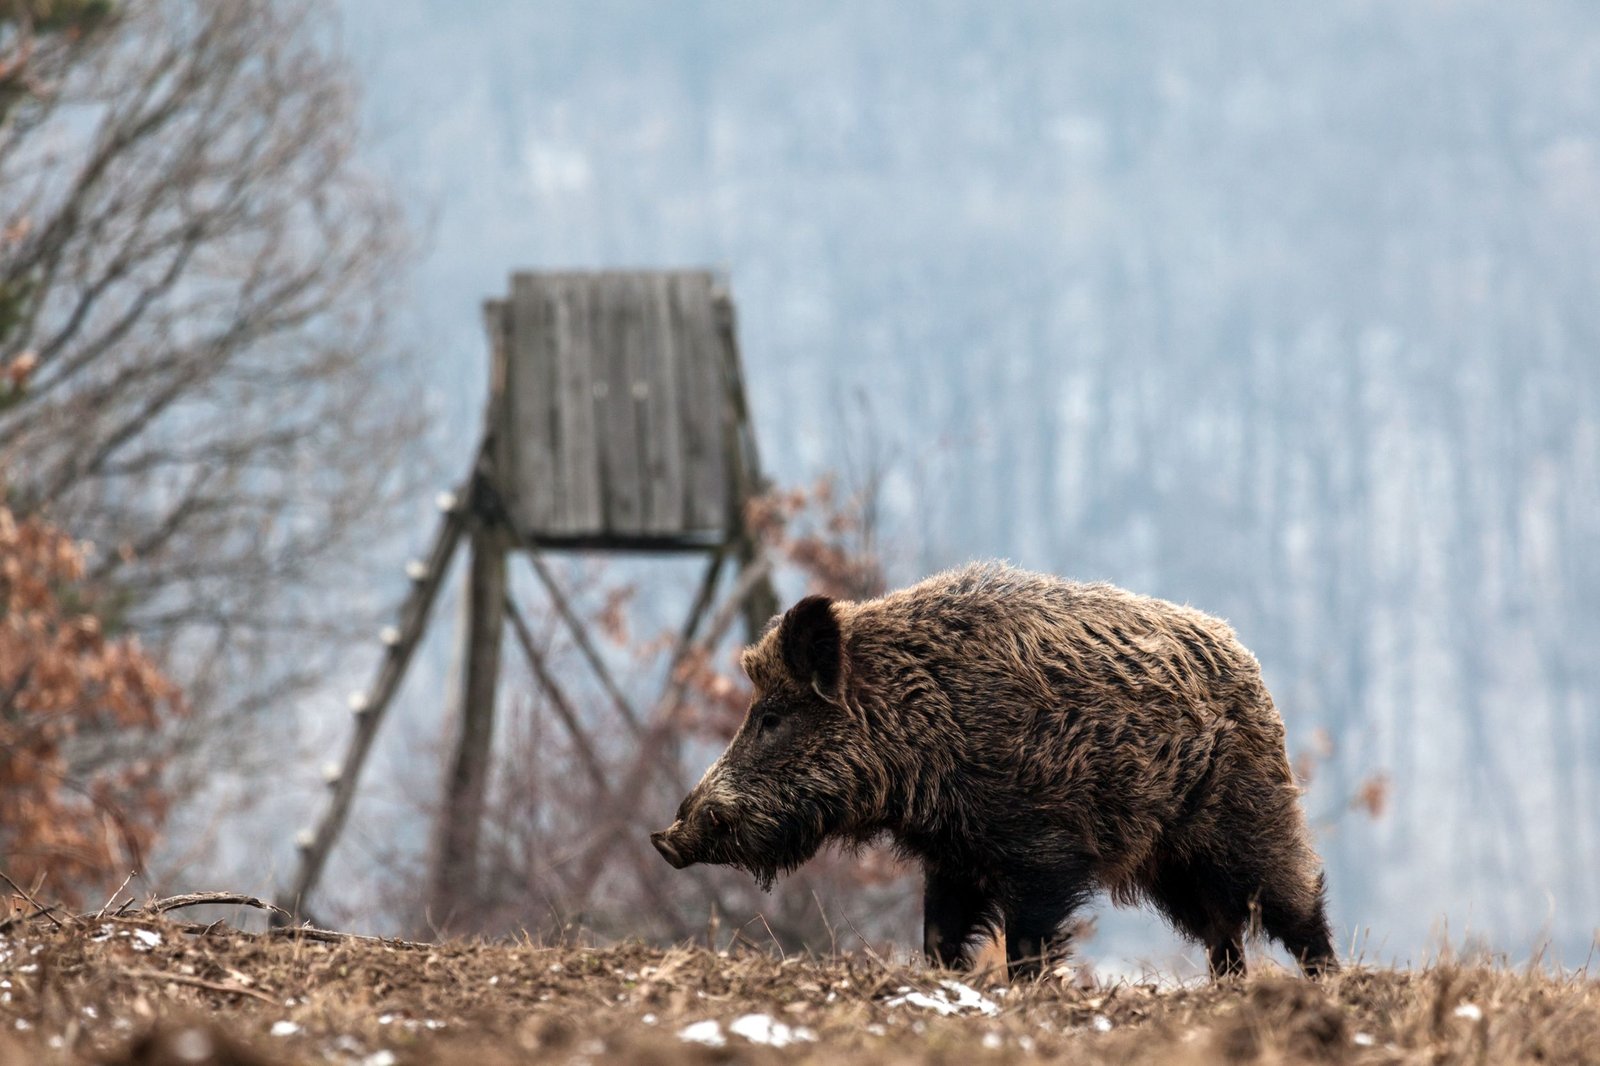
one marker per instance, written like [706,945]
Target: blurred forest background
[1286,311]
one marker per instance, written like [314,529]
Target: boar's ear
[809,639]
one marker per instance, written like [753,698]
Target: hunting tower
[616,422]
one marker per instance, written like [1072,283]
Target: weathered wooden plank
[690,399]
[618,338]
[577,437]
[704,411]
[741,447]
[600,349]
[531,480]
[661,414]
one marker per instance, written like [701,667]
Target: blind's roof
[619,417]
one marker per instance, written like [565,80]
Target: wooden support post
[672,745]
[455,869]
[702,599]
[762,601]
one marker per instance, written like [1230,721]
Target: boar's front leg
[954,908]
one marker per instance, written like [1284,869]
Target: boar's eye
[769,722]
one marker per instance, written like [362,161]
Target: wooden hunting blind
[616,421]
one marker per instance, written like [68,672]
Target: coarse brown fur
[1030,740]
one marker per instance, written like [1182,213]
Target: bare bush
[196,272]
[576,789]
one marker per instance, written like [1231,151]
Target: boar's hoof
[668,852]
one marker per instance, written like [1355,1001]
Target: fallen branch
[210,899]
[300,932]
[160,907]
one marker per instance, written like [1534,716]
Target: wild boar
[1029,740]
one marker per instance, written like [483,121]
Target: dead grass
[146,990]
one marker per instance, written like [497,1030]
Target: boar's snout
[669,850]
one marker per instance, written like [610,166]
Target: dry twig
[39,908]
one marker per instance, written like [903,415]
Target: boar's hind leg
[1206,904]
[953,910]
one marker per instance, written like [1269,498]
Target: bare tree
[196,272]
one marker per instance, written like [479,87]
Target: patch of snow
[148,937]
[1363,1040]
[708,1032]
[284,1028]
[992,1041]
[917,999]
[1470,1011]
[763,1029]
[1101,1023]
[648,1019]
[952,998]
[383,1057]
[876,1029]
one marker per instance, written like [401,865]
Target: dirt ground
[143,989]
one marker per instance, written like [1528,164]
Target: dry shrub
[66,685]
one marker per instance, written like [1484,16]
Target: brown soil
[146,990]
